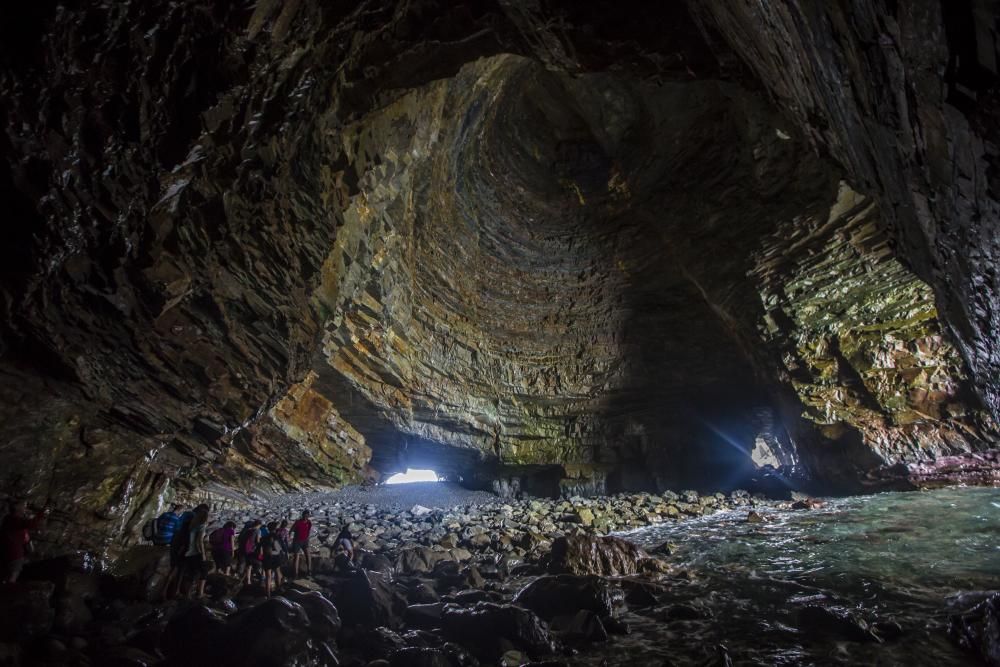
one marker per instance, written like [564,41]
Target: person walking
[196,562]
[222,540]
[178,546]
[343,549]
[282,535]
[301,530]
[270,548]
[15,539]
[246,549]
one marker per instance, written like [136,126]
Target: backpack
[149,530]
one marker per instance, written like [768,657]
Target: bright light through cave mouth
[413,475]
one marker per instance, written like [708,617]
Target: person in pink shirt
[300,542]
[222,541]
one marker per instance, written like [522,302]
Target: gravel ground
[444,495]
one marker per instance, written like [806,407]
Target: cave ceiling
[266,246]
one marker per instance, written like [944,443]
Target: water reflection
[899,562]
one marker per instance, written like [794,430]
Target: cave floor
[433,495]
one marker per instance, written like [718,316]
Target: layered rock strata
[254,243]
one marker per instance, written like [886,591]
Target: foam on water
[908,557]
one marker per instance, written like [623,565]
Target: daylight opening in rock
[413,475]
[598,268]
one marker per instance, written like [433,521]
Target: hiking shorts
[299,547]
[272,562]
[223,559]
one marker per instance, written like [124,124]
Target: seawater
[913,558]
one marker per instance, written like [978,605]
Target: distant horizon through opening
[413,475]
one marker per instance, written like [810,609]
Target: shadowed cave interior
[545,250]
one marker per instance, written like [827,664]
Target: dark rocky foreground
[503,582]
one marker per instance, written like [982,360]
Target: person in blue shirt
[166,526]
[177,546]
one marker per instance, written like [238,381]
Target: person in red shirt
[14,538]
[300,542]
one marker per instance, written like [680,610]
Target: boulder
[368,598]
[375,562]
[194,636]
[412,656]
[26,610]
[374,643]
[583,626]
[561,594]
[324,620]
[978,630]
[277,628]
[424,615]
[487,628]
[280,630]
[605,556]
[419,560]
[422,593]
[835,622]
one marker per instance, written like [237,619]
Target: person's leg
[305,550]
[295,563]
[172,575]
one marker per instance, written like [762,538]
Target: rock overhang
[173,271]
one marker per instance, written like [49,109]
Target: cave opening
[413,475]
[552,304]
[635,282]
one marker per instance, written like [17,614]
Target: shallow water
[903,557]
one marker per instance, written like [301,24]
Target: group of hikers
[259,550]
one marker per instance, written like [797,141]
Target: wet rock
[220,586]
[376,563]
[640,592]
[616,626]
[419,560]
[424,615]
[682,612]
[754,517]
[26,610]
[606,556]
[978,630]
[369,599]
[555,595]
[421,593]
[72,614]
[808,504]
[280,630]
[419,657]
[127,656]
[459,656]
[583,626]
[324,620]
[817,620]
[373,643]
[487,627]
[194,636]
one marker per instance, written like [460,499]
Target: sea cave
[500,332]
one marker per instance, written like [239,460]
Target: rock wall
[256,246]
